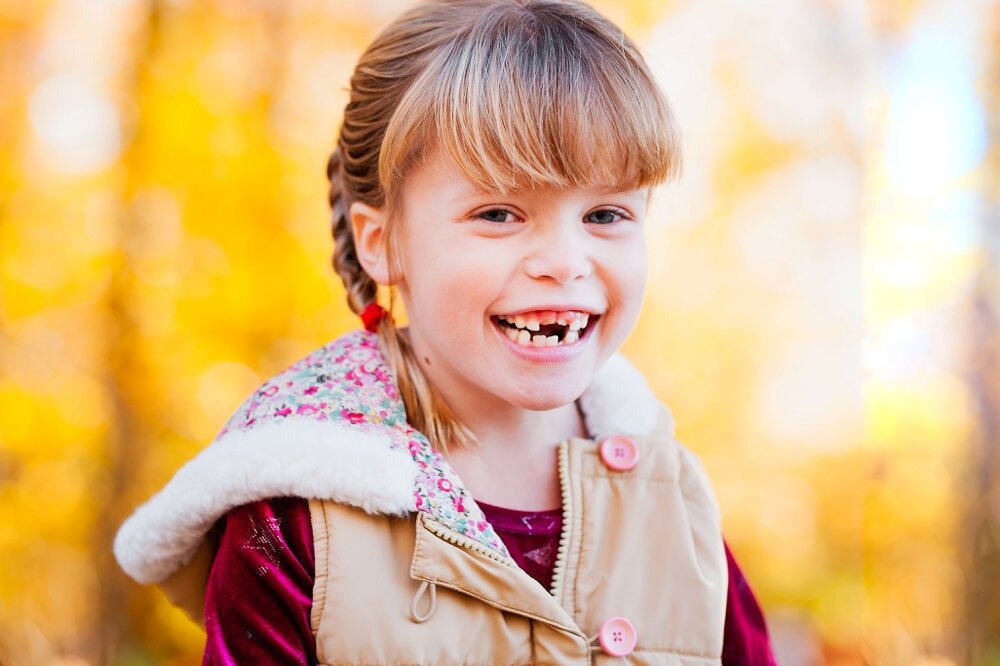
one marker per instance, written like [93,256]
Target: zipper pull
[415,615]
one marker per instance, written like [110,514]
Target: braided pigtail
[361,288]
[425,409]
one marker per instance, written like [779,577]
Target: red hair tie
[372,315]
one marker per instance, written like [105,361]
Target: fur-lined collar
[332,426]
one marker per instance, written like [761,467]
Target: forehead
[437,175]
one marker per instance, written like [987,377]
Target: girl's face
[517,299]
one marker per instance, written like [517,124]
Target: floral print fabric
[348,382]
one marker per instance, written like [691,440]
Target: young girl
[492,484]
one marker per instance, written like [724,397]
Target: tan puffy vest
[644,545]
[641,555]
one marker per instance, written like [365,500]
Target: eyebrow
[622,190]
[473,191]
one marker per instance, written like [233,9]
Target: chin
[549,396]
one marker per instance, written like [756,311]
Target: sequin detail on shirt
[532,537]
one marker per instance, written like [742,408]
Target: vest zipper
[465,542]
[558,574]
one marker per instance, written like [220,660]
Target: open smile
[546,328]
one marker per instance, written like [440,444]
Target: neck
[514,462]
[503,428]
[517,431]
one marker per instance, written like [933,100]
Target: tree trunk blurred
[981,617]
[127,435]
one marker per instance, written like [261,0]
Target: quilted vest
[408,569]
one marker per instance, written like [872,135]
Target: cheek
[630,270]
[448,284]
[634,289]
[626,274]
[641,276]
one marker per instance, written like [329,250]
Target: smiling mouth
[546,329]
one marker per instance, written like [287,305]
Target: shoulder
[331,426]
[620,400]
[335,382]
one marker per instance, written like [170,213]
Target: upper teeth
[532,322]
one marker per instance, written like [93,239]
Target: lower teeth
[526,339]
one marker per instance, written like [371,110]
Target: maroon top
[259,593]
[531,537]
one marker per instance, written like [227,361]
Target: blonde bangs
[526,98]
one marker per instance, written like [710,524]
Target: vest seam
[559,573]
[578,524]
[494,604]
[579,551]
[627,477]
[417,551]
[531,636]
[321,580]
[414,663]
[682,653]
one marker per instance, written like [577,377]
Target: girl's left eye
[606,215]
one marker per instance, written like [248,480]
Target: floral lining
[348,381]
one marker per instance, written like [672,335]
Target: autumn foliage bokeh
[821,314]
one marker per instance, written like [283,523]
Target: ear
[368,226]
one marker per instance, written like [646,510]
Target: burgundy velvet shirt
[259,593]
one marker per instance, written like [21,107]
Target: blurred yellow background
[822,312]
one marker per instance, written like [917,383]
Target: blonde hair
[518,93]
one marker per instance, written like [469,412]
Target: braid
[361,288]
[424,408]
[384,74]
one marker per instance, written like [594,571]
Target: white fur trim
[318,459]
[619,401]
[323,460]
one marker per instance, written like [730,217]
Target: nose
[560,255]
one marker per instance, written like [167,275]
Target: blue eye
[496,215]
[605,216]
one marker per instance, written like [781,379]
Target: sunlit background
[822,313]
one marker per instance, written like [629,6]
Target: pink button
[619,452]
[617,637]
